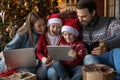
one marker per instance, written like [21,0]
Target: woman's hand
[102,48]
[72,53]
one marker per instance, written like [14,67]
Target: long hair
[32,17]
[89,4]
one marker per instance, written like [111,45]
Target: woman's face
[40,26]
[54,29]
[69,37]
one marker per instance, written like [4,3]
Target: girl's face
[54,29]
[69,37]
[40,26]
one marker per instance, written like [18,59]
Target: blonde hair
[32,17]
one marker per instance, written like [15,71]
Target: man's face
[85,16]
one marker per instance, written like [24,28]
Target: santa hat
[72,26]
[54,18]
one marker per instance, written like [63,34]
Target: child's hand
[46,61]
[49,63]
[72,53]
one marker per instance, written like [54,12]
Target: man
[102,29]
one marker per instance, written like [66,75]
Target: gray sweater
[103,29]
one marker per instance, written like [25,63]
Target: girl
[52,37]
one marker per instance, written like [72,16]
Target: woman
[28,35]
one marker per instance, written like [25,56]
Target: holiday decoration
[17,75]
[14,12]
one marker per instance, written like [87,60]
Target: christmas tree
[13,14]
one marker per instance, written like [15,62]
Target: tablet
[16,58]
[59,52]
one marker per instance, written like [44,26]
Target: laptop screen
[20,58]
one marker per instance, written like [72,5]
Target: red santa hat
[54,18]
[72,26]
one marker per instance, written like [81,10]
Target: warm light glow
[59,0]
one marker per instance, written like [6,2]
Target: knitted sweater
[103,29]
[79,47]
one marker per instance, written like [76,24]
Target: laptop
[59,52]
[16,58]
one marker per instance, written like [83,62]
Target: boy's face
[54,29]
[69,37]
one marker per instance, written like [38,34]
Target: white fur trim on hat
[70,29]
[54,20]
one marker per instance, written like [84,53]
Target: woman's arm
[15,43]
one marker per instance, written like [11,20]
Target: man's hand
[101,49]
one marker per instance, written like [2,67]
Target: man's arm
[114,42]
